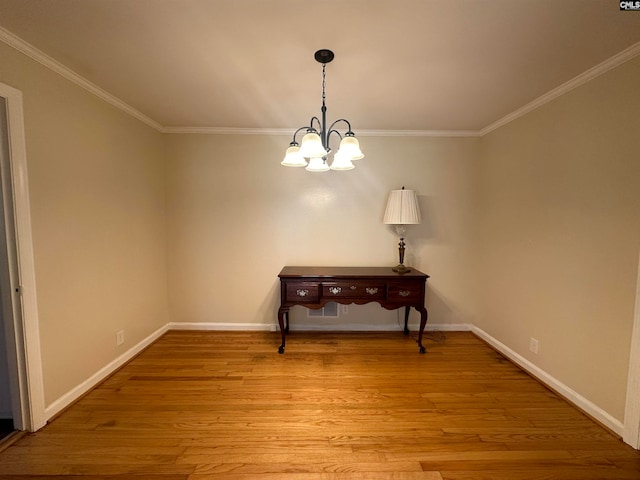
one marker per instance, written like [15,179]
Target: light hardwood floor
[198,405]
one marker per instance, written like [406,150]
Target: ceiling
[401,65]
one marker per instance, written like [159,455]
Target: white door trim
[27,333]
[631,433]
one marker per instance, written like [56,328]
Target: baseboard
[563,390]
[77,392]
[328,327]
[246,327]
[364,327]
[446,327]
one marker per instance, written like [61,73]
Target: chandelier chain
[323,82]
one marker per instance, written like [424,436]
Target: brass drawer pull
[353,287]
[335,290]
[302,292]
[371,291]
[404,293]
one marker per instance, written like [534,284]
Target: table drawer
[404,293]
[354,290]
[305,292]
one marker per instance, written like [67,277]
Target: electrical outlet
[533,345]
[345,309]
[119,337]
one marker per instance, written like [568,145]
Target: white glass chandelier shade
[317,164]
[402,208]
[350,148]
[293,158]
[341,162]
[311,146]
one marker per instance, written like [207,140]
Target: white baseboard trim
[75,393]
[329,327]
[223,327]
[359,327]
[571,395]
[341,327]
[446,327]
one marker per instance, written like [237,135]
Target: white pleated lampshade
[402,208]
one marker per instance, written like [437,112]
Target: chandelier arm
[333,130]
[319,124]
[294,142]
[342,120]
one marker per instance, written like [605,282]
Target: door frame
[24,351]
[631,432]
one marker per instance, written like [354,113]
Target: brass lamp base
[401,269]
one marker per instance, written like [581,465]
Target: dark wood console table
[314,287]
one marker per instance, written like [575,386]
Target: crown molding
[228,131]
[419,133]
[609,64]
[39,56]
[289,132]
[44,59]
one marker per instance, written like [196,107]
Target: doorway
[7,425]
[22,405]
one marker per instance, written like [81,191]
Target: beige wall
[96,180]
[236,217]
[559,234]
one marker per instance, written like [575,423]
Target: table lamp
[402,210]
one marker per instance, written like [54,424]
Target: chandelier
[314,146]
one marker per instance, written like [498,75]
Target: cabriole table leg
[282,311]
[423,323]
[406,320]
